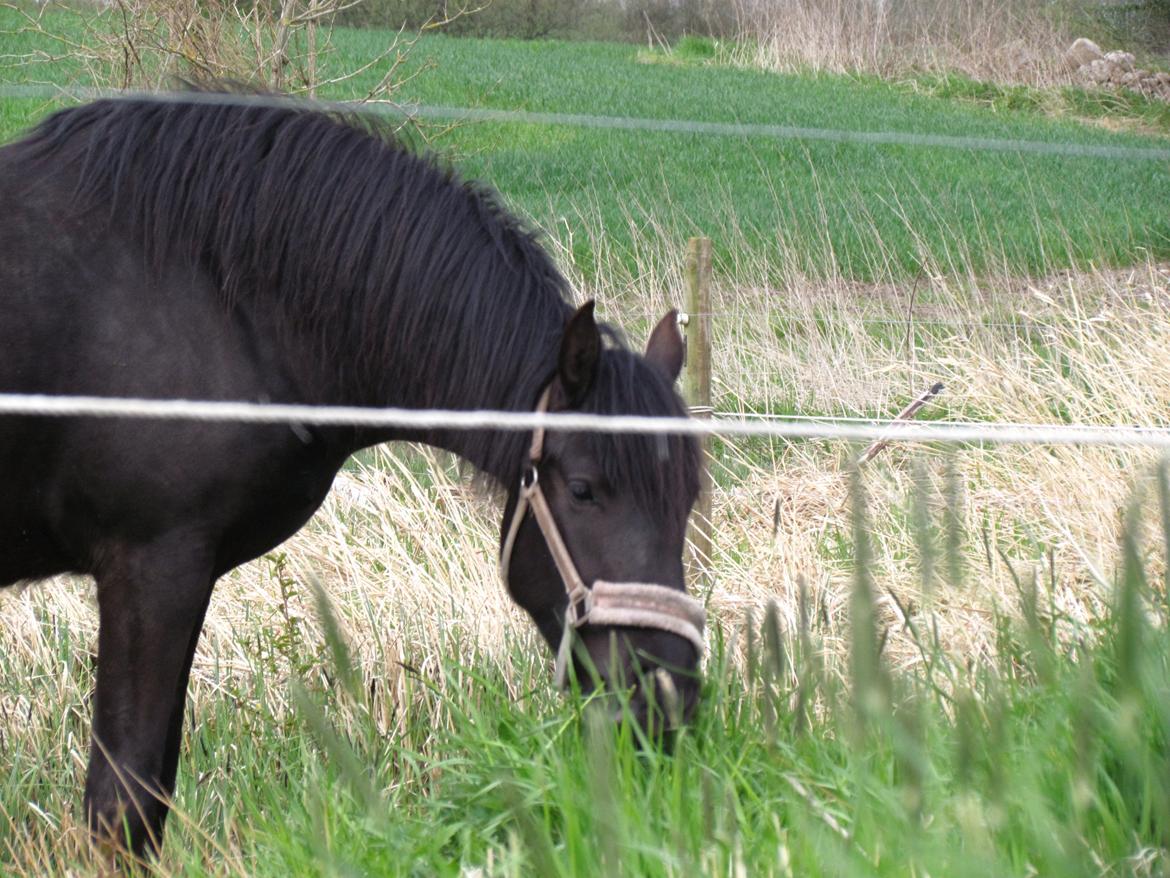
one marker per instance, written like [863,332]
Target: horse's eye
[581,490]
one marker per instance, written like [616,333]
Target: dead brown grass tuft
[1015,41]
[406,548]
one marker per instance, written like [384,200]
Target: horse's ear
[665,348]
[580,354]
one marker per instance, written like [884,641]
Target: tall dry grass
[1002,40]
[1089,347]
[406,547]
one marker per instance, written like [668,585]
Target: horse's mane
[336,225]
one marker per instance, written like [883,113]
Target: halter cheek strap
[629,604]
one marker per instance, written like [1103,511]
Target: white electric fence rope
[485,419]
[410,112]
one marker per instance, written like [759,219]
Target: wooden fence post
[698,389]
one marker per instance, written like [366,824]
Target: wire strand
[439,113]
[447,419]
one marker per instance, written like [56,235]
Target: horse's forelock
[661,471]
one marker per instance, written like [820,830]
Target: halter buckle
[529,479]
[580,606]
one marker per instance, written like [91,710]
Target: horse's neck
[470,373]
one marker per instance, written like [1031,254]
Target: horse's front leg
[151,598]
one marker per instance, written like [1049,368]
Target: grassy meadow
[954,662]
[828,207]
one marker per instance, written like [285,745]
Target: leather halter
[632,604]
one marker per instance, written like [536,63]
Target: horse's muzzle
[651,676]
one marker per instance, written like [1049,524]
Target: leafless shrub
[282,44]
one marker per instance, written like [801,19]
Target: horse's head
[619,506]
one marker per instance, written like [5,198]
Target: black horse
[236,251]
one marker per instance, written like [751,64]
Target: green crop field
[860,210]
[956,664]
